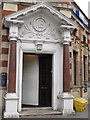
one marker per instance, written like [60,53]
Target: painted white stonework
[48,48]
[13,32]
[30,80]
[11,100]
[40,26]
[41,30]
[65,103]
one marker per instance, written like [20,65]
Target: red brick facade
[0,37]
[89,52]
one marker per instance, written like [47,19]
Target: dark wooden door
[45,80]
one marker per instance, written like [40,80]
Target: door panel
[45,80]
[30,80]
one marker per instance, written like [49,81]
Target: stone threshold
[38,111]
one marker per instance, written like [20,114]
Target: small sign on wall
[80,72]
[3,79]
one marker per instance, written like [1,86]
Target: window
[84,68]
[75,32]
[85,76]
[84,39]
[74,67]
[81,36]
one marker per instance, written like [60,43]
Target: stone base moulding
[65,103]
[11,100]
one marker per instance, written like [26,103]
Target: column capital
[13,32]
[66,37]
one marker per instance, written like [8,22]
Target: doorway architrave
[57,68]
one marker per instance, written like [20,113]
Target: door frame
[57,70]
[21,79]
[38,81]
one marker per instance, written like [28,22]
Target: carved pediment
[40,26]
[41,21]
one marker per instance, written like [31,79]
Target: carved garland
[39,28]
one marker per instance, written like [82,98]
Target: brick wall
[0,37]
[89,53]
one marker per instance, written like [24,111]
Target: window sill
[77,86]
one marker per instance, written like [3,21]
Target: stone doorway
[37,80]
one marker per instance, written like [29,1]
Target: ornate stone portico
[39,29]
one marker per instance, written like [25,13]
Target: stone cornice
[68,27]
[9,22]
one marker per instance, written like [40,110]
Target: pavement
[51,114]
[0,117]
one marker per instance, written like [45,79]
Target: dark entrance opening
[45,80]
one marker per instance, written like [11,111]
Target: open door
[37,80]
[30,80]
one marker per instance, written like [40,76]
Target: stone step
[38,112]
[37,108]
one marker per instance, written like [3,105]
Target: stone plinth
[11,100]
[65,103]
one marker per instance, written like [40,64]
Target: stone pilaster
[11,98]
